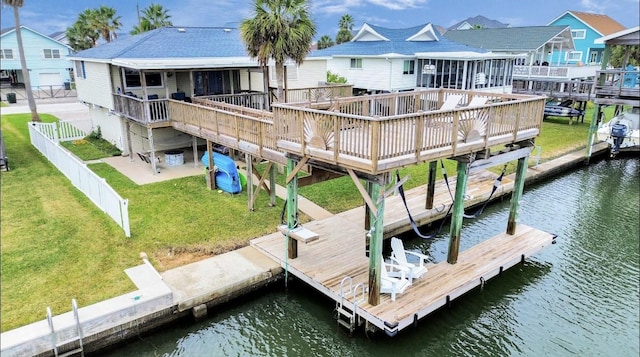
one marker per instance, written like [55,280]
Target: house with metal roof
[47,59]
[127,83]
[380,59]
[586,27]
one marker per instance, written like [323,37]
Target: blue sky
[48,16]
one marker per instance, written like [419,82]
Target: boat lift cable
[496,184]
[414,225]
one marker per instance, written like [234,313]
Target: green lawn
[56,245]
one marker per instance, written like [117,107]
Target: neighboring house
[60,36]
[533,46]
[380,59]
[127,82]
[47,59]
[585,28]
[477,22]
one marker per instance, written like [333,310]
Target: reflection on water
[578,297]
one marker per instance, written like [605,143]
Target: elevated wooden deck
[578,90]
[340,252]
[370,134]
[617,86]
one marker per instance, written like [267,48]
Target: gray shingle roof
[507,39]
[397,44]
[171,42]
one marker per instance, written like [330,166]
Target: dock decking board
[341,251]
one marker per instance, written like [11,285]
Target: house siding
[362,77]
[309,74]
[38,66]
[585,45]
[96,87]
[111,126]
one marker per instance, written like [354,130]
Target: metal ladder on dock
[55,344]
[348,317]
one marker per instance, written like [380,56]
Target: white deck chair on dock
[399,256]
[477,101]
[451,102]
[393,285]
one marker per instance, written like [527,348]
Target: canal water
[577,297]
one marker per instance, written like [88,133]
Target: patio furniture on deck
[399,256]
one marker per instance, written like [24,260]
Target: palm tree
[280,29]
[325,42]
[23,62]
[81,35]
[346,26]
[105,21]
[153,17]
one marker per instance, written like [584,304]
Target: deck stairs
[346,311]
[74,342]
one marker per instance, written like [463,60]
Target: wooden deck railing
[578,89]
[317,94]
[372,134]
[380,143]
[144,111]
[255,100]
[245,129]
[618,82]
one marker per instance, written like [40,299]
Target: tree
[91,25]
[23,62]
[153,17]
[281,30]
[346,26]
[325,42]
[335,78]
[106,22]
[81,35]
[618,54]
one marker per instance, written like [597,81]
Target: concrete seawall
[189,290]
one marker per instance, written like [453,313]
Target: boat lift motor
[618,133]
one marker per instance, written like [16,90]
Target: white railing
[93,186]
[66,130]
[554,72]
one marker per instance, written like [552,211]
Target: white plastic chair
[399,256]
[393,285]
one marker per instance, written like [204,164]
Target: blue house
[46,59]
[585,28]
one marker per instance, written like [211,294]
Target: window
[6,53]
[132,78]
[80,69]
[593,58]
[51,53]
[573,56]
[409,67]
[578,34]
[356,63]
[292,72]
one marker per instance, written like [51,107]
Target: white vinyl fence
[44,136]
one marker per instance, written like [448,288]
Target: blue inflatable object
[227,178]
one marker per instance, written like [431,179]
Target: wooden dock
[340,252]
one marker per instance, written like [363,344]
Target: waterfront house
[585,28]
[127,83]
[47,59]
[380,59]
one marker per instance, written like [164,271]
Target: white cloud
[399,4]
[594,5]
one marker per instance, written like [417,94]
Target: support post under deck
[592,131]
[375,244]
[518,187]
[249,188]
[152,152]
[272,186]
[431,184]
[458,212]
[367,211]
[292,208]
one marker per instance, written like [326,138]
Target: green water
[578,297]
